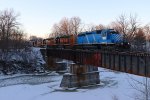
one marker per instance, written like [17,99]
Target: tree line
[131,28]
[11,35]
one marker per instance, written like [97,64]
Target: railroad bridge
[137,63]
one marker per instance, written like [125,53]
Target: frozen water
[46,87]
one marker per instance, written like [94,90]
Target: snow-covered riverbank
[26,60]
[46,87]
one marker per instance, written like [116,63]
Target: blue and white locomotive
[105,36]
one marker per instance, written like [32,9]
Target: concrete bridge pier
[80,75]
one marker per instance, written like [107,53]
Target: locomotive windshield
[98,31]
[114,32]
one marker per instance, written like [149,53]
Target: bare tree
[90,27]
[75,24]
[115,25]
[123,24]
[146,30]
[8,23]
[66,27]
[100,27]
[128,26]
[56,30]
[17,39]
[139,39]
[133,27]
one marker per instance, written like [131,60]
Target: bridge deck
[129,62]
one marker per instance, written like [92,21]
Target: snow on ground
[46,87]
[27,60]
[36,52]
[31,54]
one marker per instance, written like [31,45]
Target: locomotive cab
[105,37]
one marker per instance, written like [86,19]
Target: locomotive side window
[104,34]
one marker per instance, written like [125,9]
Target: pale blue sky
[38,16]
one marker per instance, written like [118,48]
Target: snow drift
[25,61]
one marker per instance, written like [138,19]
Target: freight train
[98,39]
